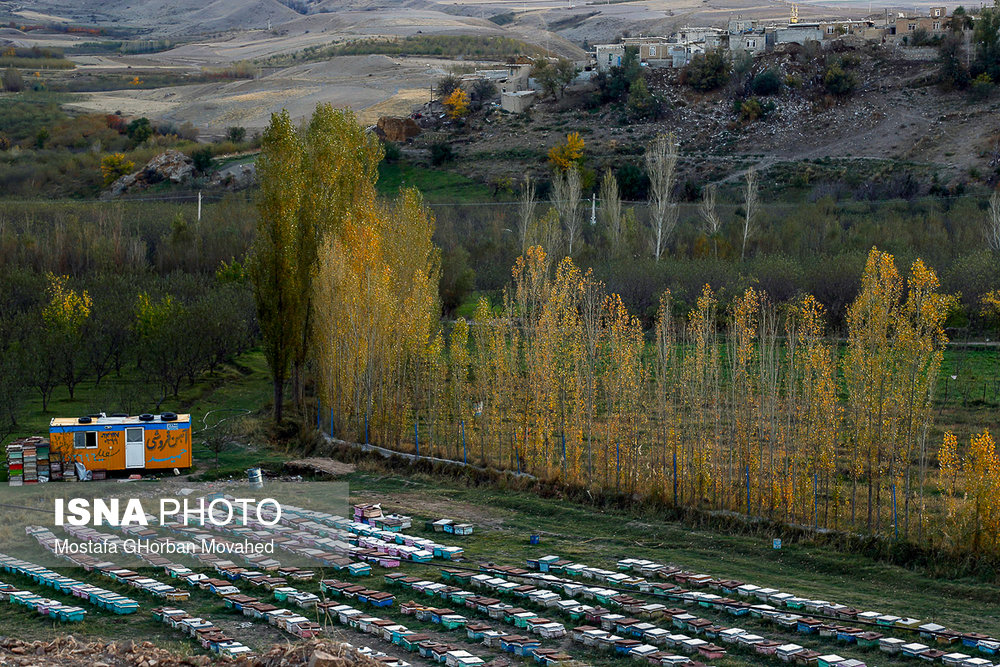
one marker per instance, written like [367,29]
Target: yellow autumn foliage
[567,154]
[456,105]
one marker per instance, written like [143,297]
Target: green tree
[614,84]
[566,71]
[554,77]
[441,152]
[986,36]
[641,102]
[64,316]
[340,166]
[707,71]
[167,351]
[960,20]
[202,159]
[273,263]
[952,73]
[545,74]
[767,82]
[236,134]
[139,130]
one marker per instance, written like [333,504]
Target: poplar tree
[273,264]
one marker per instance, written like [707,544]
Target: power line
[193,198]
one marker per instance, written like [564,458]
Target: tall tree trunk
[279,399]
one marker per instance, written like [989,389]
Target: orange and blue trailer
[119,442]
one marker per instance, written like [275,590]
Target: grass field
[504,519]
[434,184]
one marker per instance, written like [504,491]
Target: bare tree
[751,206]
[611,208]
[711,223]
[566,193]
[991,225]
[546,232]
[526,211]
[661,163]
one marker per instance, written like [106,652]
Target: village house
[753,43]
[673,51]
[903,26]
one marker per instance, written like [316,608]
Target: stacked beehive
[28,460]
[15,463]
[29,455]
[68,470]
[42,458]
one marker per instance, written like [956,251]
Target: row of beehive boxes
[769,597]
[43,606]
[849,635]
[99,597]
[400,635]
[206,633]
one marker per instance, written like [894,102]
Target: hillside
[896,120]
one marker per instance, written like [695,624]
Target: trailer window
[85,440]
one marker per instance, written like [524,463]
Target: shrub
[839,82]
[707,71]
[236,134]
[202,159]
[115,166]
[12,81]
[391,151]
[981,87]
[139,130]
[441,152]
[187,131]
[633,183]
[116,123]
[766,83]
[483,90]
[447,86]
[752,109]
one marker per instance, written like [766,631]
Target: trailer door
[135,447]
